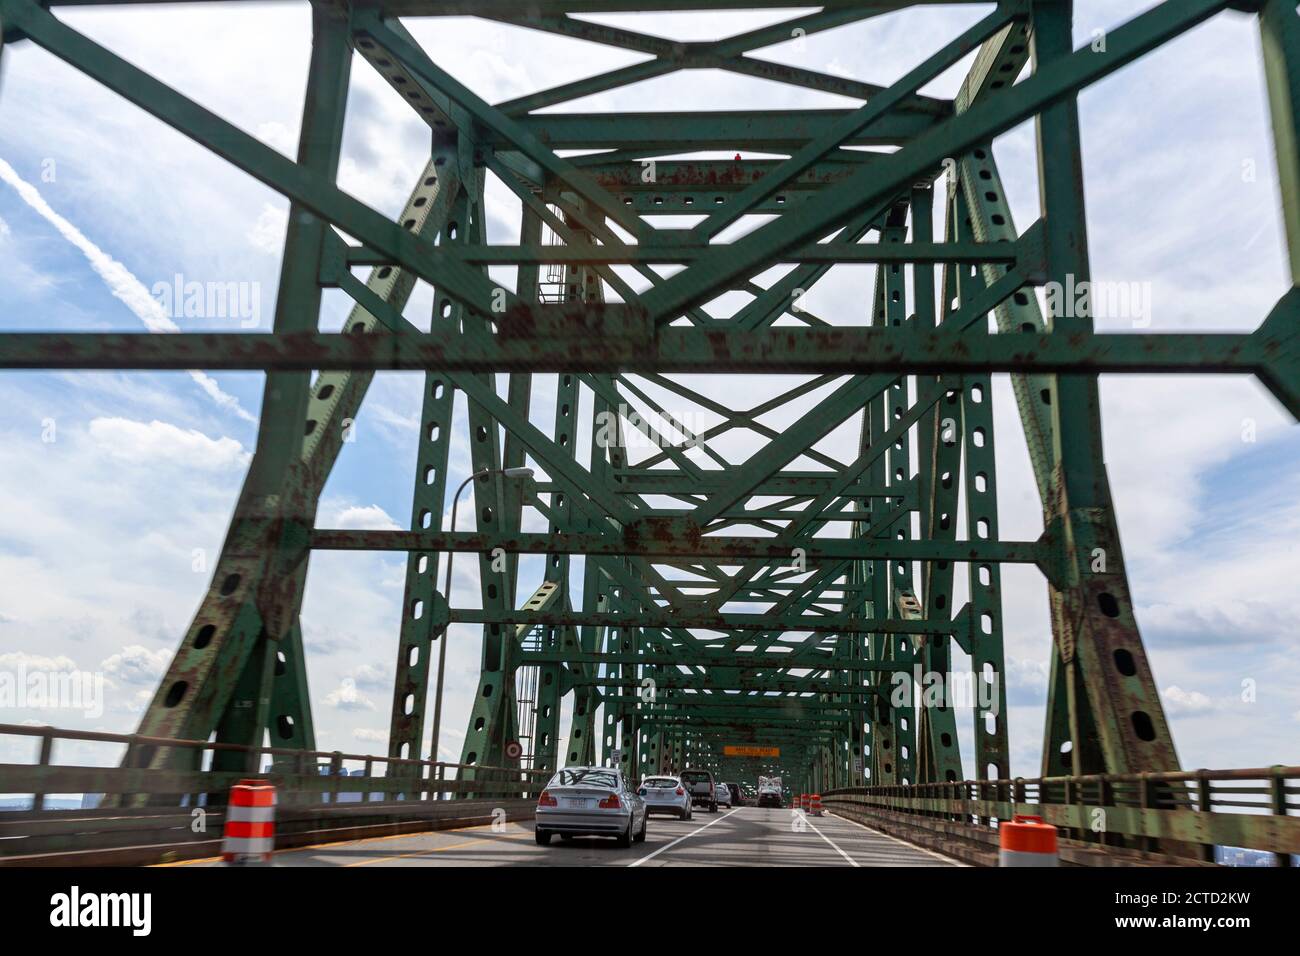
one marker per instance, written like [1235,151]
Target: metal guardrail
[152,815]
[1175,817]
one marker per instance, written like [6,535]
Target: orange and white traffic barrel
[815,804]
[250,823]
[1027,841]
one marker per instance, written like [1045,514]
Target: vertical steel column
[582,284]
[1100,646]
[492,717]
[939,755]
[1280,37]
[223,676]
[428,500]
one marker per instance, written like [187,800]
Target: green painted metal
[692,596]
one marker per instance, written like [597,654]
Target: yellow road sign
[730,751]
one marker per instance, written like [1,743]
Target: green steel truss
[695,597]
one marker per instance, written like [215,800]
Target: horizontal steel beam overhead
[822,660]
[721,130]
[803,483]
[666,540]
[1269,353]
[757,711]
[662,252]
[508,9]
[721,681]
[684,618]
[711,177]
[706,718]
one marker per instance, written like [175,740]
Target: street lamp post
[446,593]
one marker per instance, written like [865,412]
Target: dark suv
[737,798]
[700,785]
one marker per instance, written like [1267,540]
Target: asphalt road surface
[747,836]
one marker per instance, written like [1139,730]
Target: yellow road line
[330,846]
[438,849]
[399,856]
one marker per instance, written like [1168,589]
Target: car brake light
[546,800]
[681,792]
[610,802]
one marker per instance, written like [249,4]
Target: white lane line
[669,846]
[911,846]
[852,862]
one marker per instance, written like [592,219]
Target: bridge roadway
[746,836]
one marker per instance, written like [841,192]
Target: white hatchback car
[665,795]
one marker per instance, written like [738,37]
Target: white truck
[769,792]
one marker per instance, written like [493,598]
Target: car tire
[640,837]
[625,838]
[543,838]
[713,808]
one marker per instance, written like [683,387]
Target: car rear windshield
[584,777]
[697,776]
[661,782]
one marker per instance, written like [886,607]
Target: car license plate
[577,803]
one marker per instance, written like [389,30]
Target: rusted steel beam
[670,539]
[826,350]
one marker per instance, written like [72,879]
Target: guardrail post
[1144,792]
[1106,796]
[47,748]
[336,771]
[1205,804]
[1278,788]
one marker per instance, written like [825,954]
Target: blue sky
[100,526]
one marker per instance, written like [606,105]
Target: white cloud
[368,518]
[1186,703]
[373,677]
[161,442]
[369,735]
[136,664]
[267,234]
[137,702]
[36,662]
[347,697]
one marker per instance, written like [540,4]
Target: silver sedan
[590,801]
[666,795]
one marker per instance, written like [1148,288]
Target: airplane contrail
[120,281]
